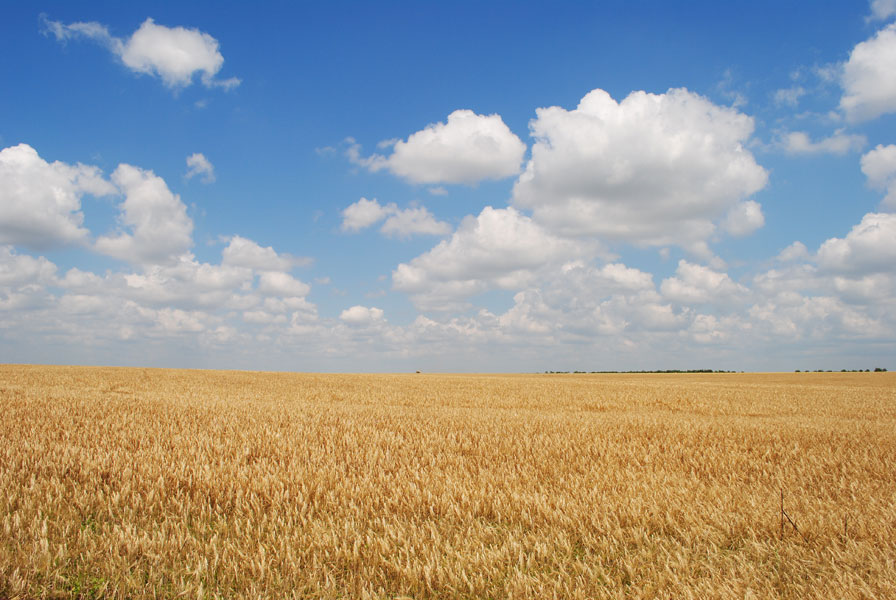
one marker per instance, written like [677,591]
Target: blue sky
[462,186]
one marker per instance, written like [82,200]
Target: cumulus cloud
[158,301]
[160,230]
[41,201]
[883,9]
[17,270]
[243,252]
[654,169]
[869,88]
[414,221]
[176,306]
[364,213]
[879,166]
[579,301]
[697,284]
[281,284]
[174,54]
[361,315]
[198,164]
[402,223]
[797,317]
[869,247]
[744,218]
[499,248]
[795,251]
[174,320]
[799,142]
[468,148]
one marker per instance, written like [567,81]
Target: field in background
[132,483]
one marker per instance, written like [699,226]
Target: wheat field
[138,483]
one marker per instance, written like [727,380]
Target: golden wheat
[132,483]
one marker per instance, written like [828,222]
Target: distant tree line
[641,372]
[876,370]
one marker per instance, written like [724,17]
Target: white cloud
[879,166]
[869,247]
[795,251]
[744,218]
[650,170]
[579,301]
[798,142]
[174,320]
[161,231]
[877,288]
[789,96]
[262,317]
[21,269]
[185,284]
[198,164]
[883,9]
[499,248]
[797,317]
[41,201]
[466,149]
[710,329]
[414,221]
[361,315]
[869,88]
[175,306]
[174,54]
[401,223]
[243,252]
[364,213]
[696,284]
[281,284]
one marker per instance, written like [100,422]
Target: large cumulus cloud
[653,169]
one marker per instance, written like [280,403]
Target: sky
[463,186]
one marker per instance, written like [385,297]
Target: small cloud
[361,315]
[789,96]
[438,191]
[174,54]
[799,142]
[364,213]
[387,143]
[401,223]
[725,88]
[198,164]
[467,148]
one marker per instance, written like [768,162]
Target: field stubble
[134,483]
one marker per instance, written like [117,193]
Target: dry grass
[128,483]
